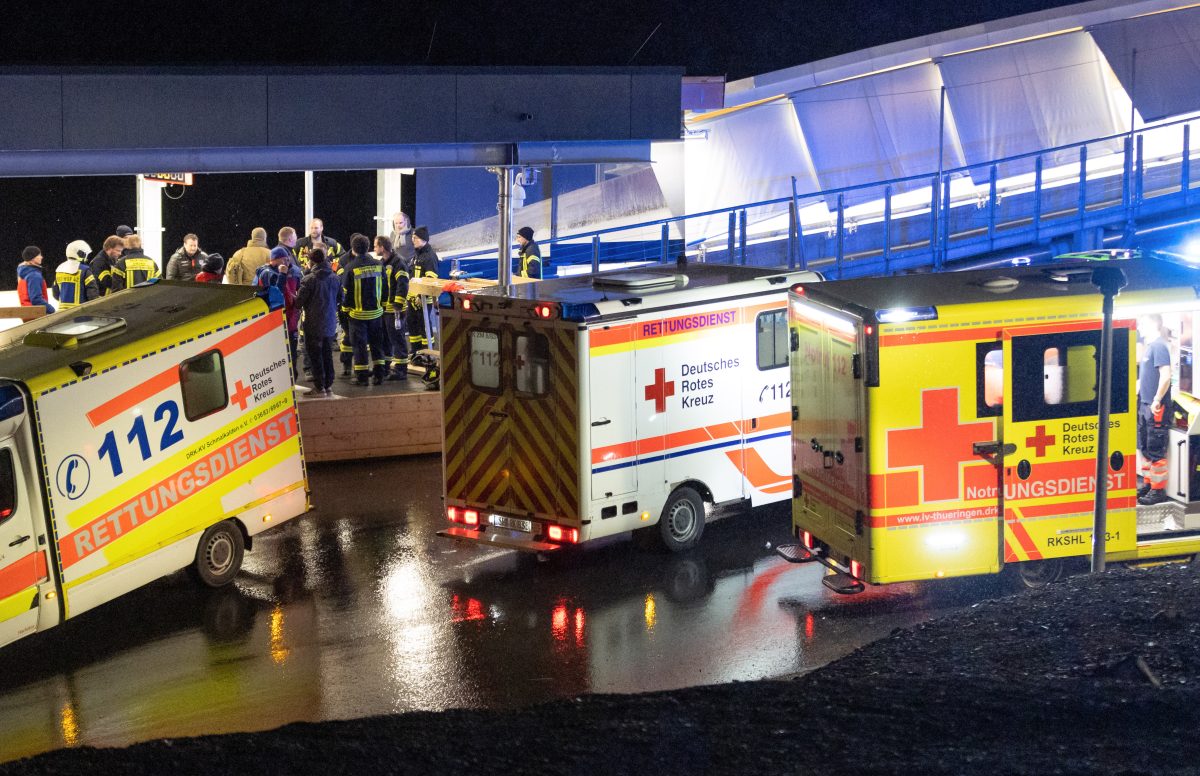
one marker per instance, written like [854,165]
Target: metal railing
[1068,195]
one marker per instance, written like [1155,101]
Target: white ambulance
[586,406]
[141,433]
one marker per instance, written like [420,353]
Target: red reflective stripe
[22,574]
[168,377]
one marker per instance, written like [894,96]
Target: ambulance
[945,425]
[586,406]
[144,432]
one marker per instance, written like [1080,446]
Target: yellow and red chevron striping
[511,452]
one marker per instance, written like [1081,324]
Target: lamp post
[1109,280]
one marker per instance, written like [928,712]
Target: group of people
[361,292]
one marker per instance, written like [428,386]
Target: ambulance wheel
[219,556]
[682,520]
[1034,575]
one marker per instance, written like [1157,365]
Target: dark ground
[1038,683]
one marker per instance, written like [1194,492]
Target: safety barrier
[1068,196]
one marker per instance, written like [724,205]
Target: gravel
[1090,676]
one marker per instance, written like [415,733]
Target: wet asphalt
[359,609]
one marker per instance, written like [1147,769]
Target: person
[243,264]
[134,266]
[424,265]
[104,260]
[74,282]
[279,272]
[1154,396]
[213,269]
[530,255]
[188,261]
[287,240]
[121,232]
[318,297]
[401,238]
[396,276]
[317,239]
[363,293]
[31,286]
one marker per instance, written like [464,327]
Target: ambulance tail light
[557,533]
[453,514]
[545,311]
[466,304]
[470,517]
[806,539]
[855,569]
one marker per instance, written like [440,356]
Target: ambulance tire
[1034,575]
[219,555]
[682,520]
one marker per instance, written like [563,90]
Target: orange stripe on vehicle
[614,335]
[758,473]
[1022,535]
[168,377]
[176,488]
[22,573]
[657,444]
[983,333]
[1076,507]
[929,517]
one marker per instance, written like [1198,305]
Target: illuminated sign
[177,178]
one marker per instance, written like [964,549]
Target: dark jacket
[183,267]
[364,286]
[102,268]
[132,268]
[318,298]
[529,261]
[333,250]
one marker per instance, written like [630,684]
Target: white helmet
[79,249]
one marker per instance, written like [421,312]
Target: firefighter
[530,255]
[396,275]
[1154,395]
[424,265]
[104,261]
[363,294]
[134,266]
[74,282]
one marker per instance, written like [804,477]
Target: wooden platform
[374,422]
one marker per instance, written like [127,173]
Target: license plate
[511,523]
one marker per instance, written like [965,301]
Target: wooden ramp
[374,422]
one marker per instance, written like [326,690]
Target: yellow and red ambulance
[946,424]
[141,433]
[587,406]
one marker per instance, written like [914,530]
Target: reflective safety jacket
[531,260]
[133,268]
[74,284]
[424,265]
[364,288]
[397,280]
[101,267]
[334,251]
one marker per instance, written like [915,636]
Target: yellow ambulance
[945,425]
[141,433]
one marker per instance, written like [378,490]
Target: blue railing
[1068,196]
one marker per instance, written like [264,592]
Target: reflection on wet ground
[359,609]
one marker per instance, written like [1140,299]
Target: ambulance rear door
[1049,435]
[611,414]
[829,395]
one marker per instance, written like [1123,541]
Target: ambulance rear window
[772,338]
[202,380]
[485,359]
[1055,375]
[531,361]
[8,485]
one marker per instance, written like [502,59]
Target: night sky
[706,38]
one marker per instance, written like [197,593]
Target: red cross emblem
[660,389]
[240,395]
[1040,441]
[940,445]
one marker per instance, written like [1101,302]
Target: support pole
[504,176]
[308,201]
[1110,281]
[149,219]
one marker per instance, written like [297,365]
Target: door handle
[1183,465]
[601,422]
[498,415]
[18,540]
[993,451]
[827,459]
